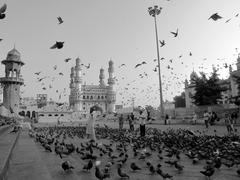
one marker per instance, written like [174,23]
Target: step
[26,162]
[7,143]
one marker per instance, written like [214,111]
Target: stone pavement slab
[26,163]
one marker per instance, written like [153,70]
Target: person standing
[142,120]
[121,122]
[132,122]
[90,126]
[228,123]
[166,119]
[206,118]
[195,118]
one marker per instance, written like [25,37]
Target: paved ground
[31,161]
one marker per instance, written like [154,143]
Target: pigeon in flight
[88,66]
[57,45]
[162,43]
[68,59]
[60,21]
[138,65]
[175,33]
[227,20]
[215,17]
[55,67]
[190,54]
[237,15]
[144,62]
[2,11]
[61,73]
[37,73]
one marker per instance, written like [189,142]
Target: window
[41,114]
[87,97]
[91,97]
[84,108]
[50,115]
[98,97]
[62,115]
[56,114]
[83,97]
[102,97]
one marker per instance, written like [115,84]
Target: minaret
[77,106]
[72,86]
[12,80]
[111,81]
[101,77]
[78,74]
[111,97]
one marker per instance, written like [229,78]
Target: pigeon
[175,33]
[60,73]
[215,17]
[208,172]
[67,166]
[60,21]
[162,43]
[37,73]
[122,174]
[88,166]
[1,40]
[88,66]
[68,59]
[144,62]
[227,20]
[100,175]
[190,54]
[134,167]
[138,65]
[57,45]
[2,11]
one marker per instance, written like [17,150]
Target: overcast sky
[97,30]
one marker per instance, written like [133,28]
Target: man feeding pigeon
[91,122]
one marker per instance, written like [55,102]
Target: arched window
[87,97]
[102,97]
[28,114]
[91,97]
[33,114]
[98,97]
[83,97]
[56,114]
[62,115]
[50,115]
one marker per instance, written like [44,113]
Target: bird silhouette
[162,43]
[58,45]
[88,166]
[68,59]
[2,11]
[215,17]
[60,21]
[37,73]
[137,65]
[134,167]
[175,33]
[120,173]
[227,20]
[67,166]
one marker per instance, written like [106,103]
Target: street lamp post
[154,11]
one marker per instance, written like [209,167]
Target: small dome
[13,55]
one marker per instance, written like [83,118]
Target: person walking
[206,118]
[195,118]
[142,120]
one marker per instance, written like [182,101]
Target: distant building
[41,100]
[82,97]
[168,105]
[229,83]
[12,81]
[117,107]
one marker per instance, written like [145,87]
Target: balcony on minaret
[16,80]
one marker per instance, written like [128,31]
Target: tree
[207,90]
[179,101]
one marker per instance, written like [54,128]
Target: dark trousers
[142,129]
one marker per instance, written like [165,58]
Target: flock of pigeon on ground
[124,154]
[129,90]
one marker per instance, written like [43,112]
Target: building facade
[82,97]
[229,84]
[12,81]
